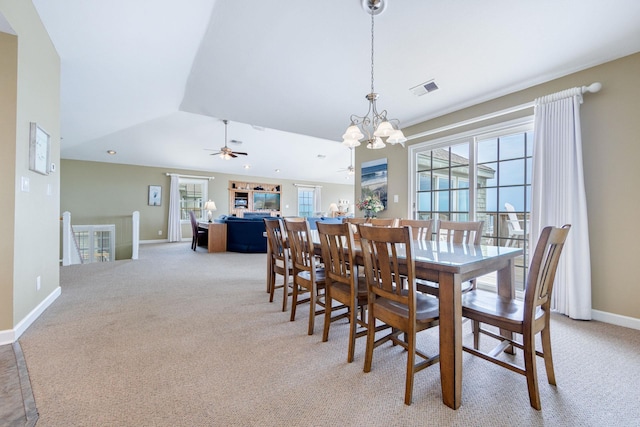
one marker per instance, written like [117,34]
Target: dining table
[450,265]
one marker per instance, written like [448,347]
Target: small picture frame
[39,149]
[155,195]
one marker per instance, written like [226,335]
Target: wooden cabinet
[253,197]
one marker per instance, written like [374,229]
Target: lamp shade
[333,207]
[384,129]
[376,144]
[353,132]
[210,206]
[351,143]
[396,137]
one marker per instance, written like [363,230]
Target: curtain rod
[307,185]
[592,88]
[191,176]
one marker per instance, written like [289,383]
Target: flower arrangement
[371,205]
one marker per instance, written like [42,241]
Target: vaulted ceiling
[153,80]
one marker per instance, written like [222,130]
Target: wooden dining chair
[384,222]
[279,259]
[526,318]
[308,274]
[421,229]
[342,282]
[354,225]
[456,232]
[198,235]
[401,307]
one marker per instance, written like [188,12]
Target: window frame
[471,137]
[205,196]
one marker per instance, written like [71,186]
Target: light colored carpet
[179,338]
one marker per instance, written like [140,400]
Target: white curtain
[174,232]
[558,197]
[317,199]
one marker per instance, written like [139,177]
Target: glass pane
[487,200]
[442,183]
[442,201]
[487,150]
[440,158]
[529,138]
[424,201]
[529,166]
[515,196]
[512,146]
[460,217]
[424,161]
[488,175]
[461,200]
[424,181]
[512,172]
[488,228]
[460,177]
[460,154]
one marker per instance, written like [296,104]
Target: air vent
[235,141]
[423,88]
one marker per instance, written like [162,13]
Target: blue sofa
[245,234]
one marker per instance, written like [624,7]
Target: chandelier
[373,126]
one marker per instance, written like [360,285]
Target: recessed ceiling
[152,80]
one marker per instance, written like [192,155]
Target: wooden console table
[217,241]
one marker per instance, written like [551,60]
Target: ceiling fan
[351,170]
[226,152]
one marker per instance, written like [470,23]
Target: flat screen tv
[266,201]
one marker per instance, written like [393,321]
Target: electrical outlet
[38,283]
[159,232]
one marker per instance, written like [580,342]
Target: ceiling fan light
[353,132]
[384,129]
[396,137]
[351,143]
[375,144]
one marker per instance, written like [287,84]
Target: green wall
[30,92]
[108,193]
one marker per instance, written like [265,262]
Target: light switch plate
[24,184]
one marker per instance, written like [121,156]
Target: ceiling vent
[423,88]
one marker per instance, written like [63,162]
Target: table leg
[451,339]
[507,290]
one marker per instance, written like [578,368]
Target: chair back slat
[460,232]
[381,249]
[301,244]
[276,238]
[542,270]
[421,229]
[337,245]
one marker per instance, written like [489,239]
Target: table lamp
[210,206]
[333,208]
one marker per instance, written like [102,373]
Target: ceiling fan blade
[232,155]
[240,153]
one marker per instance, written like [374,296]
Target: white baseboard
[148,242]
[616,319]
[12,335]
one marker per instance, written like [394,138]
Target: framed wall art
[155,195]
[39,149]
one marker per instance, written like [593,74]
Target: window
[95,243]
[193,195]
[306,199]
[483,175]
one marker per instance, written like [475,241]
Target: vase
[368,213]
